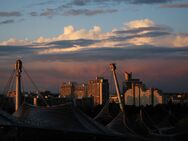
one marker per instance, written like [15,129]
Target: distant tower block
[128,76]
[18,68]
[35,101]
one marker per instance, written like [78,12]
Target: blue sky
[31,27]
[64,40]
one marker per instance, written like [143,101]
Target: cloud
[115,54]
[139,24]
[10,14]
[88,12]
[176,5]
[74,12]
[175,40]
[70,33]
[134,33]
[42,3]
[33,13]
[147,1]
[86,2]
[7,21]
[13,41]
[140,46]
[49,13]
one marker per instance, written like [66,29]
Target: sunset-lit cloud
[76,40]
[136,32]
[13,41]
[139,24]
[60,50]
[140,46]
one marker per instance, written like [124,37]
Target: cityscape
[89,70]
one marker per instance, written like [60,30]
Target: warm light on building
[73,90]
[99,89]
[137,94]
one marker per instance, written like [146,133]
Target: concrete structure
[80,91]
[67,89]
[157,97]
[11,94]
[143,97]
[113,69]
[114,99]
[181,98]
[132,90]
[135,92]
[18,68]
[99,89]
[73,90]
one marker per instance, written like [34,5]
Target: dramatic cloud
[7,21]
[176,5]
[13,41]
[137,32]
[10,14]
[140,46]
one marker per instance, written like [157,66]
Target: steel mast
[18,67]
[113,69]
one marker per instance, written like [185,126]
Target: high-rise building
[181,98]
[131,90]
[67,89]
[73,90]
[80,91]
[157,97]
[99,89]
[135,93]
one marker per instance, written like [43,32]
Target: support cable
[12,84]
[35,86]
[7,86]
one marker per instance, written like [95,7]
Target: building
[80,91]
[136,93]
[132,90]
[73,90]
[99,89]
[67,89]
[175,98]
[157,97]
[114,99]
[11,94]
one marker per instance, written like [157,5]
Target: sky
[76,40]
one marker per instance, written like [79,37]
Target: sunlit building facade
[73,90]
[99,90]
[135,93]
[67,89]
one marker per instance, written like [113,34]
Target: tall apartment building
[67,89]
[99,89]
[135,93]
[73,90]
[80,91]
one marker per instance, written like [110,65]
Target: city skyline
[76,40]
